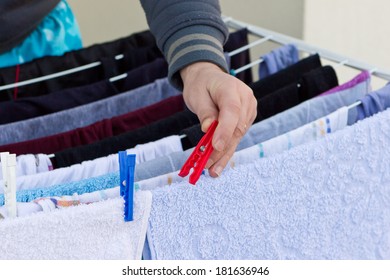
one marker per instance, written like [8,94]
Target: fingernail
[219,146]
[218,170]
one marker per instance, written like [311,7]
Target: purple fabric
[375,102]
[362,77]
[278,59]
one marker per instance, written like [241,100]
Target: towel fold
[94,231]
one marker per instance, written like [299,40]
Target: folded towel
[329,199]
[94,231]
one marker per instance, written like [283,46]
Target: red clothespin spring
[199,156]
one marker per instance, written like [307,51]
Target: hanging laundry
[286,76]
[302,135]
[31,164]
[150,91]
[324,200]
[137,49]
[36,185]
[308,86]
[302,114]
[361,77]
[93,231]
[310,132]
[100,130]
[267,86]
[278,59]
[163,128]
[236,40]
[281,123]
[373,103]
[91,184]
[49,204]
[31,107]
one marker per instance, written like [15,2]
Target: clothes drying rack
[268,35]
[264,34]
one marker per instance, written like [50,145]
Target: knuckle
[239,132]
[234,108]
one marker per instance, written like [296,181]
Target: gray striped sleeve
[187,32]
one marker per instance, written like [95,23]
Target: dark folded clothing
[12,111]
[99,130]
[157,130]
[137,49]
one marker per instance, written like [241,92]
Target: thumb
[207,115]
[206,124]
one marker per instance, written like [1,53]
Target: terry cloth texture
[93,231]
[325,200]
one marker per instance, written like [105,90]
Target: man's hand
[212,94]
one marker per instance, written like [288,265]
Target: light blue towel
[84,186]
[278,59]
[329,199]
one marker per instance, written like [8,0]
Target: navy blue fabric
[138,49]
[12,111]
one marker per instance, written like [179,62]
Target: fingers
[219,160]
[230,113]
[213,94]
[237,110]
[246,115]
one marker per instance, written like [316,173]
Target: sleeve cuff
[193,44]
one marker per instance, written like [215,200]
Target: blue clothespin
[126,175]
[122,171]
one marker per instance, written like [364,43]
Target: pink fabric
[363,76]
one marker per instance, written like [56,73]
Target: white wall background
[102,20]
[356,28]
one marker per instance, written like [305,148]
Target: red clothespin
[199,156]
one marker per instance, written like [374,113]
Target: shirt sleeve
[187,32]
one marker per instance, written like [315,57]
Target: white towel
[329,199]
[94,231]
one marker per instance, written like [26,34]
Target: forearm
[187,32]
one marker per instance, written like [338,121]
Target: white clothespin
[8,164]
[4,168]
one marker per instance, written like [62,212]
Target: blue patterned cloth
[58,33]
